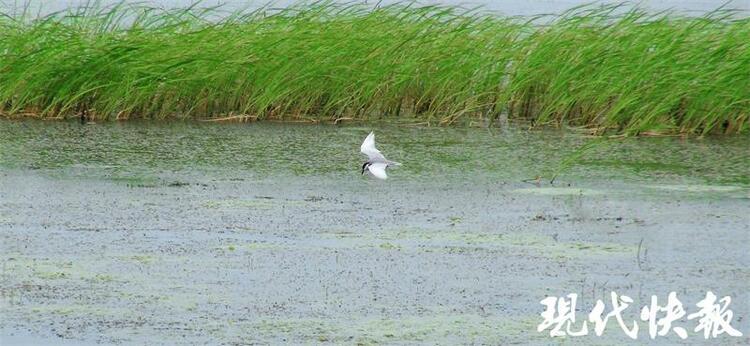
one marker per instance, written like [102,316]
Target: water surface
[186,232]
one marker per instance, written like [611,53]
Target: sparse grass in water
[606,68]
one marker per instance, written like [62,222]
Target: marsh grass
[607,69]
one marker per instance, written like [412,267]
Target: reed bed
[608,69]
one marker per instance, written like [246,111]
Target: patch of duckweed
[143,259]
[697,188]
[245,230]
[465,242]
[76,310]
[455,220]
[51,275]
[239,203]
[640,166]
[257,203]
[449,328]
[259,246]
[104,278]
[558,191]
[136,181]
[181,301]
[249,246]
[311,330]
[46,270]
[389,246]
[436,328]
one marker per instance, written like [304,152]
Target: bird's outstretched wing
[378,170]
[368,148]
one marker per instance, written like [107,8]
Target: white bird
[376,162]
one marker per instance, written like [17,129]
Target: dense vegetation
[608,69]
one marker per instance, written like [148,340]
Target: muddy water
[185,233]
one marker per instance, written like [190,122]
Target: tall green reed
[609,68]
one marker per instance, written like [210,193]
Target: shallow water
[185,232]
[134,150]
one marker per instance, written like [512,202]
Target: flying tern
[376,162]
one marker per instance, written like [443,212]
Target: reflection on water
[268,150]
